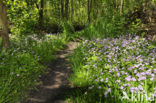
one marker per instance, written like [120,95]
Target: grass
[114,68]
[22,64]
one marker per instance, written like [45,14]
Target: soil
[54,86]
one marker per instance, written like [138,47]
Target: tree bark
[4,25]
[72,10]
[41,13]
[121,7]
[62,8]
[79,12]
[66,9]
[88,10]
[116,4]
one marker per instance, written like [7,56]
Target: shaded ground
[55,86]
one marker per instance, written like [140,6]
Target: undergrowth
[111,26]
[23,63]
[114,70]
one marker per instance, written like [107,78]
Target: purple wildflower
[128,78]
[108,91]
[121,87]
[142,78]
[133,79]
[106,80]
[101,80]
[135,71]
[118,74]
[140,88]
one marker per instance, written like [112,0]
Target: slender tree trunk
[91,6]
[59,8]
[88,10]
[72,10]
[146,5]
[41,13]
[101,10]
[116,5]
[121,7]
[79,17]
[66,9]
[4,25]
[62,8]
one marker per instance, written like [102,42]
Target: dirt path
[54,84]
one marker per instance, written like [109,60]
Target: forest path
[55,83]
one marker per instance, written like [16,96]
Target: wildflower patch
[119,66]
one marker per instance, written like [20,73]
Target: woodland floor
[54,87]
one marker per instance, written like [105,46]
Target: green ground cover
[24,62]
[115,70]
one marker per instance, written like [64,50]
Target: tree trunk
[62,8]
[72,10]
[121,7]
[66,9]
[41,13]
[4,25]
[79,12]
[116,4]
[88,10]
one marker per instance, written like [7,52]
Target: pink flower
[122,87]
[133,79]
[128,78]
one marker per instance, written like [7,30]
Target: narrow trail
[54,84]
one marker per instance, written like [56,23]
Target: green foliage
[23,16]
[105,27]
[77,62]
[68,27]
[135,27]
[104,14]
[107,17]
[112,66]
[52,25]
[112,26]
[20,66]
[68,30]
[18,72]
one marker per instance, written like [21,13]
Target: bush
[22,17]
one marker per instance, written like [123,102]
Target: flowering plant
[113,66]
